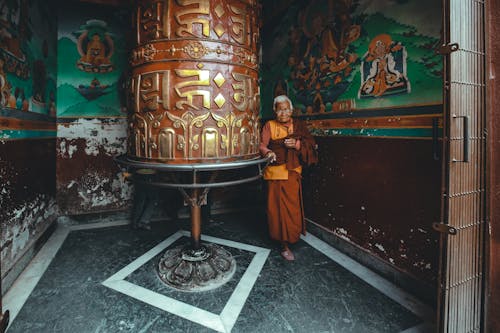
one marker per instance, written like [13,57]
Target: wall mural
[28,56]
[383,68]
[90,74]
[341,59]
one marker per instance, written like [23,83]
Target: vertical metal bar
[465,218]
[476,160]
[195,214]
[442,299]
[482,239]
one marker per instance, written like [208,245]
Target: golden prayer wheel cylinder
[194,87]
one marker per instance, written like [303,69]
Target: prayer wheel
[194,86]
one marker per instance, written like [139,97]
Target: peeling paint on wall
[342,233]
[27,196]
[102,136]
[23,226]
[94,190]
[88,179]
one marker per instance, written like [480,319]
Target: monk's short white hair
[282,99]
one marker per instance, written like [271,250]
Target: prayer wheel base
[188,269]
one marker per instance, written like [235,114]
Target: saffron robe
[285,211]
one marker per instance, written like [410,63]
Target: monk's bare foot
[288,255]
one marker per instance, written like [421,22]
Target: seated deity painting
[383,69]
[95,46]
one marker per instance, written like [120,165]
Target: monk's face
[283,112]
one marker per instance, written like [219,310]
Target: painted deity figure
[384,68]
[321,59]
[15,32]
[95,50]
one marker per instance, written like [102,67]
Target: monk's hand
[290,143]
[272,156]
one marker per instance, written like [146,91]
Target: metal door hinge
[444,228]
[448,48]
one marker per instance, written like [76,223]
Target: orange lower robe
[285,212]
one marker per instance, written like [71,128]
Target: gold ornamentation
[139,142]
[148,91]
[195,144]
[145,123]
[245,141]
[149,53]
[185,20]
[152,144]
[181,142]
[210,142]
[165,89]
[244,95]
[150,21]
[203,80]
[166,143]
[239,26]
[195,50]
[172,49]
[231,122]
[179,88]
[187,121]
[254,123]
[219,100]
[219,30]
[166,19]
[219,80]
[219,10]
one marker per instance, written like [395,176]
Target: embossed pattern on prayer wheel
[194,88]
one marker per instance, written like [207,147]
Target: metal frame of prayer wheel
[195,94]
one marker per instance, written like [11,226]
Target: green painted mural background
[92,61]
[28,48]
[314,52]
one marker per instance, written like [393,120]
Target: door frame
[492,290]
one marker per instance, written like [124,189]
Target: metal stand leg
[197,266]
[195,220]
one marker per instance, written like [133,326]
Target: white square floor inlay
[222,322]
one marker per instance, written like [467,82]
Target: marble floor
[101,277]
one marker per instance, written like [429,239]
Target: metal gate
[461,300]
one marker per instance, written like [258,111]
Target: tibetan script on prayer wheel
[194,87]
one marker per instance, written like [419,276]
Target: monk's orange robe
[285,211]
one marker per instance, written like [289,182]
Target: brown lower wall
[382,195]
[27,192]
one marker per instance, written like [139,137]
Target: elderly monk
[289,146]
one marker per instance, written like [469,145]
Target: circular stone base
[187,269]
